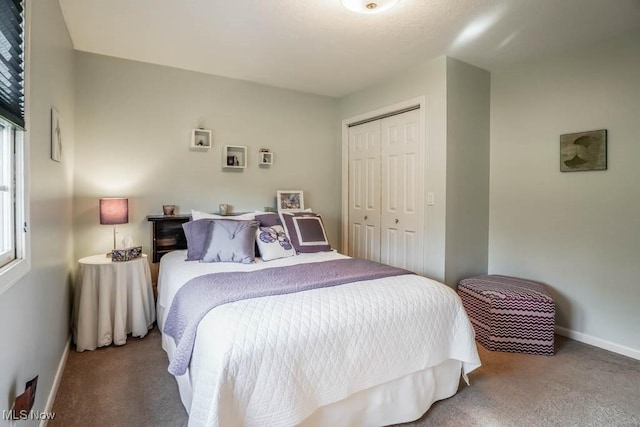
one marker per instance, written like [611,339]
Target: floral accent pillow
[273,243]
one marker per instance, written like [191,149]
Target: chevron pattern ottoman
[510,314]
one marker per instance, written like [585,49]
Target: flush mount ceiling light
[369,6]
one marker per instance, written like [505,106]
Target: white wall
[35,312]
[133,130]
[578,232]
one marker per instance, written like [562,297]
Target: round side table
[111,300]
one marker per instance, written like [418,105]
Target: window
[7,195]
[14,250]
[12,61]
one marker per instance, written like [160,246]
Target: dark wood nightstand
[167,234]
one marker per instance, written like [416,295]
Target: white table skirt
[111,300]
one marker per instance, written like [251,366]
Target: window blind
[12,61]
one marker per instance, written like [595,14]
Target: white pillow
[196,215]
[273,243]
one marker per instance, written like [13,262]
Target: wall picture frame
[290,200]
[56,136]
[583,151]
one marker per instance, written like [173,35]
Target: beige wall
[579,232]
[35,312]
[133,130]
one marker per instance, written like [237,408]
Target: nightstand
[167,234]
[111,300]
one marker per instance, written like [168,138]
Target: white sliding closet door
[385,188]
[401,204]
[364,191]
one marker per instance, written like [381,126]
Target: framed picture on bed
[290,200]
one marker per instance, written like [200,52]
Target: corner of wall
[468,137]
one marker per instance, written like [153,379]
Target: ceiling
[318,46]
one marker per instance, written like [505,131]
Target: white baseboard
[56,382]
[598,342]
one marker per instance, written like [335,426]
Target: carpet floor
[579,386]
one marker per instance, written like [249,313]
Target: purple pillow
[197,234]
[305,231]
[268,219]
[231,241]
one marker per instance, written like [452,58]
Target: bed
[370,352]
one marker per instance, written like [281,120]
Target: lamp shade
[114,211]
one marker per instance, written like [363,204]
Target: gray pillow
[197,234]
[231,241]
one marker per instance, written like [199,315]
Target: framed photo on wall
[290,200]
[56,136]
[583,151]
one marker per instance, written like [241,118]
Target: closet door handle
[366,217]
[396,220]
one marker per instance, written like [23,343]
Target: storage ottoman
[510,314]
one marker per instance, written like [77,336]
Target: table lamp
[114,211]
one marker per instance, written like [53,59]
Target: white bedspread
[273,361]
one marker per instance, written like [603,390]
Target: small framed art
[56,136]
[583,151]
[290,200]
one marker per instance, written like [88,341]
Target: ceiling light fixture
[369,6]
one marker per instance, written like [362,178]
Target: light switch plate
[430,199]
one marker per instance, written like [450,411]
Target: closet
[386,175]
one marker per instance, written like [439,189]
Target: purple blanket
[201,294]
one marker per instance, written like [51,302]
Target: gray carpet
[579,386]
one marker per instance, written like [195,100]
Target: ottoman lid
[506,287]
